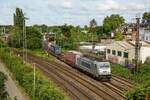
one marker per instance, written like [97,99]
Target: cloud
[114,5]
[77,12]
[67,4]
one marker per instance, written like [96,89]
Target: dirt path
[11,86]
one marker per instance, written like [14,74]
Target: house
[144,34]
[97,48]
[5,37]
[129,32]
[123,52]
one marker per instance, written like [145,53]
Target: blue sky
[76,12]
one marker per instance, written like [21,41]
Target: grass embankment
[142,77]
[44,89]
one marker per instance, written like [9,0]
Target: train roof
[94,59]
[75,52]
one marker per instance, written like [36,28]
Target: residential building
[123,52]
[129,32]
[144,34]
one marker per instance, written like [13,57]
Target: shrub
[3,93]
[140,93]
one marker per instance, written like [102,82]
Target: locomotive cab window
[104,66]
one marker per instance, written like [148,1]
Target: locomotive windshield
[104,66]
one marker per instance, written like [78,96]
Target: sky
[75,12]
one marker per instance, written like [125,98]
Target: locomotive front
[104,70]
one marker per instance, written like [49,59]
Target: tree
[111,23]
[146,19]
[118,36]
[16,39]
[34,38]
[93,25]
[99,31]
[44,28]
[66,30]
[19,18]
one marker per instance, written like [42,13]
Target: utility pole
[78,38]
[137,45]
[34,83]
[24,39]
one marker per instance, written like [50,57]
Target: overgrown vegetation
[142,78]
[3,93]
[44,90]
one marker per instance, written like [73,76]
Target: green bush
[140,93]
[142,78]
[121,71]
[3,93]
[44,90]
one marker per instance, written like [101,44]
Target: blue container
[56,49]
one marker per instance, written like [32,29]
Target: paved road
[11,87]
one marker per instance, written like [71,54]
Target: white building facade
[123,52]
[144,34]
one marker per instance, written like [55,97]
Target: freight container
[55,49]
[70,57]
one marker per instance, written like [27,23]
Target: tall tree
[93,25]
[111,23]
[19,18]
[16,39]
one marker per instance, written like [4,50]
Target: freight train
[98,69]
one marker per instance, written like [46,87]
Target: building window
[119,53]
[146,38]
[108,51]
[125,54]
[113,52]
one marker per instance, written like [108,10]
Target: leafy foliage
[111,23]
[142,78]
[118,36]
[3,93]
[44,90]
[140,93]
[146,19]
[34,38]
[19,18]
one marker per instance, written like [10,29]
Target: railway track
[76,92]
[96,89]
[79,86]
